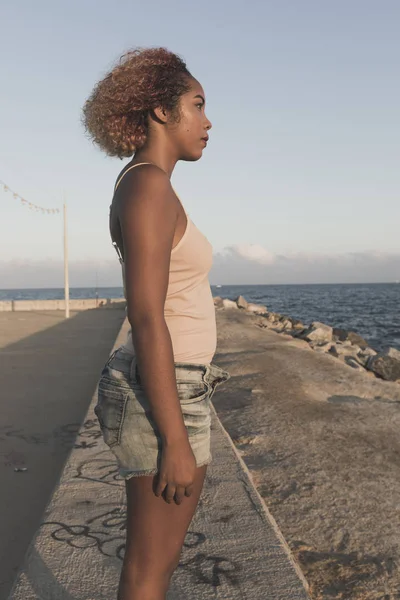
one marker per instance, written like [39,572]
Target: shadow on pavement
[47,380]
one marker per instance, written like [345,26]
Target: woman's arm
[147,211]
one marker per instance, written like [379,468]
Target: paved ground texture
[322,443]
[48,370]
[233,549]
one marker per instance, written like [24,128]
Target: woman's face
[190,134]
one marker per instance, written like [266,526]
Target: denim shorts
[125,418]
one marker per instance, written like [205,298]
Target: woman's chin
[193,156]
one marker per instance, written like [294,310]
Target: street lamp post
[66,278]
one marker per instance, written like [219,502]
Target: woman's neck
[157,154]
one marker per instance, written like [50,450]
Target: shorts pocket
[110,411]
[192,391]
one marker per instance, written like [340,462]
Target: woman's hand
[177,471]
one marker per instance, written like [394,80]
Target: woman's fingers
[162,482]
[179,494]
[189,490]
[170,493]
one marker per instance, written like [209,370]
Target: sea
[372,310]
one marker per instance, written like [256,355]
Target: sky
[300,182]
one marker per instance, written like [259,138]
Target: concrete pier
[233,549]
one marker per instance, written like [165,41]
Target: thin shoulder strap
[115,188]
[125,172]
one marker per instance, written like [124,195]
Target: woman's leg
[155,534]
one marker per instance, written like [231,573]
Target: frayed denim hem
[139,473]
[205,462]
[148,472]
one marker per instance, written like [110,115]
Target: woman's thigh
[156,529]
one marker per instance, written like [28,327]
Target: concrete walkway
[49,367]
[233,549]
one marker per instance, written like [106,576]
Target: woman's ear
[160,114]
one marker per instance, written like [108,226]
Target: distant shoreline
[212,285]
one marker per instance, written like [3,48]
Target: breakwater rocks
[346,346]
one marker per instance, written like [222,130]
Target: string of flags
[30,205]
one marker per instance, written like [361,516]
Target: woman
[154,393]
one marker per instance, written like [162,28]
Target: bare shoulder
[143,187]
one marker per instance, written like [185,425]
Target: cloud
[254,264]
[237,264]
[17,274]
[254,252]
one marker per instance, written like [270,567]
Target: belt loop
[206,373]
[111,357]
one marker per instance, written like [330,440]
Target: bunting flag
[30,205]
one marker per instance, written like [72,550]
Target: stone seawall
[346,346]
[81,304]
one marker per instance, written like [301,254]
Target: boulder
[344,335]
[258,309]
[357,340]
[369,352]
[229,303]
[393,353]
[296,323]
[218,303]
[273,317]
[318,332]
[287,325]
[386,364]
[353,362]
[241,302]
[298,332]
[364,356]
[340,350]
[322,347]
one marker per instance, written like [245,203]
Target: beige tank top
[189,306]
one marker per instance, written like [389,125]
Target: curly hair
[116,113]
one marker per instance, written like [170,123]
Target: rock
[258,309]
[299,332]
[353,362]
[296,323]
[340,350]
[273,317]
[393,353]
[385,364]
[287,325]
[229,303]
[364,356]
[369,352]
[218,303]
[339,334]
[357,340]
[241,302]
[346,343]
[322,347]
[344,335]
[318,332]
[363,360]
